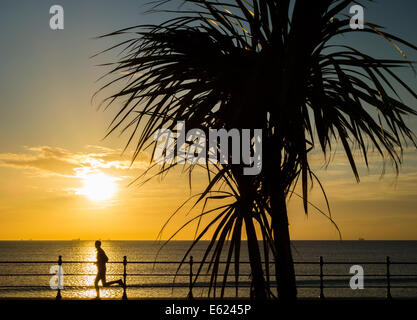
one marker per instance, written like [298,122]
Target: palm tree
[270,64]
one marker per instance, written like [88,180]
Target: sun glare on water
[98,187]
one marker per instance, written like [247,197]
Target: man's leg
[96,281]
[108,284]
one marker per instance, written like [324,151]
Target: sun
[98,187]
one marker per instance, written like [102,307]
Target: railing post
[124,297]
[190,293]
[321,278]
[58,294]
[388,280]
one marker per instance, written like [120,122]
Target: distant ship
[76,239]
[361,239]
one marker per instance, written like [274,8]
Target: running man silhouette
[101,270]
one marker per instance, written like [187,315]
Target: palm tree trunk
[284,264]
[255,260]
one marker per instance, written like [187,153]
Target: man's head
[98,244]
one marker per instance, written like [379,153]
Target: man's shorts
[101,275]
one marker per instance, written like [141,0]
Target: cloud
[47,160]
[342,189]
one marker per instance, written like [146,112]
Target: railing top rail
[221,262]
[7,262]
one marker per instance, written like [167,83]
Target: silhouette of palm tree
[261,64]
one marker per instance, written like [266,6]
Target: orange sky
[41,199]
[51,140]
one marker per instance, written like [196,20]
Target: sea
[28,269]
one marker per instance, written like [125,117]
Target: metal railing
[321,275]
